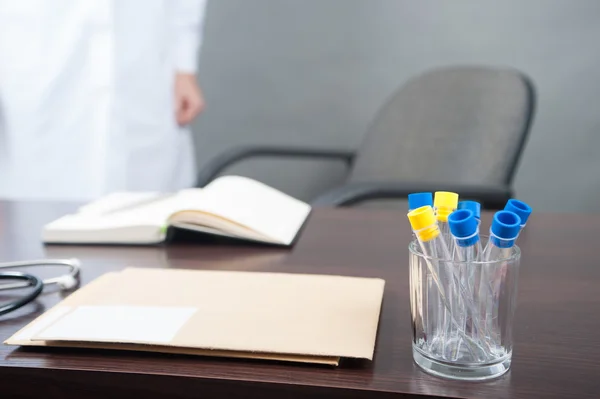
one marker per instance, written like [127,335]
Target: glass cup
[462,314]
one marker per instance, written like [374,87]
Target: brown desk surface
[556,354]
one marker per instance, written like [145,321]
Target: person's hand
[189,101]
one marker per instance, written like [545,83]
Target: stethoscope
[65,282]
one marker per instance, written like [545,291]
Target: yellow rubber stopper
[422,221]
[445,203]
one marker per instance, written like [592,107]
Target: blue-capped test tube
[520,208]
[504,231]
[417,200]
[473,206]
[464,228]
[503,234]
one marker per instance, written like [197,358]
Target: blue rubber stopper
[463,224]
[473,206]
[505,229]
[520,208]
[417,200]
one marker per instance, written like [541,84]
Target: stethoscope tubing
[31,281]
[65,282]
[73,264]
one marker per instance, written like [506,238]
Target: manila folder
[274,316]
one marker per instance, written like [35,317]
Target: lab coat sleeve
[187,23]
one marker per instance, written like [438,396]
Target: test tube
[503,234]
[437,255]
[445,203]
[473,206]
[520,208]
[464,227]
[417,200]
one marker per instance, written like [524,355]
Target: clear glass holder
[462,314]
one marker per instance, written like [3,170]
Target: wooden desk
[556,352]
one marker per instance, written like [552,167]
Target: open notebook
[231,206]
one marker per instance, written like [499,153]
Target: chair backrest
[466,125]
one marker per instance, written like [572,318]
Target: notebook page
[118,201]
[120,218]
[158,212]
[256,206]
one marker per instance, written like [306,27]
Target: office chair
[460,129]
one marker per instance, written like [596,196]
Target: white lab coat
[86,96]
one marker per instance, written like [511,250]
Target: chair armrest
[490,197]
[230,157]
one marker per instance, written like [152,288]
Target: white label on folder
[137,324]
[47,319]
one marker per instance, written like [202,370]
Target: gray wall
[314,72]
